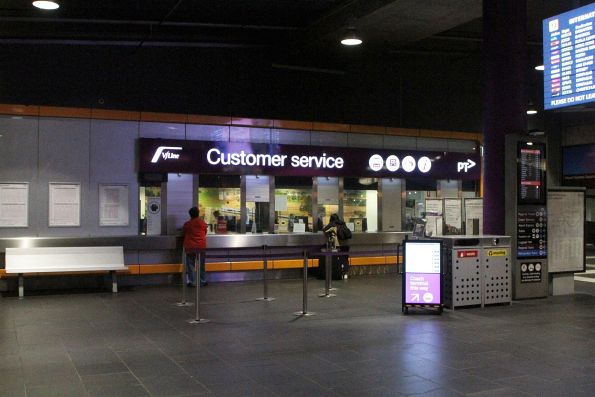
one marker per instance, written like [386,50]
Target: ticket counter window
[219,203]
[150,209]
[415,200]
[257,204]
[360,204]
[293,205]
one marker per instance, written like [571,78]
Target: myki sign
[181,156]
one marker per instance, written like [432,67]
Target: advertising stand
[422,275]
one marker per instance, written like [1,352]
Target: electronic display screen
[531,173]
[423,265]
[568,50]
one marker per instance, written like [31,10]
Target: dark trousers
[190,258]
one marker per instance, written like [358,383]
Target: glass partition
[257,203]
[360,204]
[219,202]
[415,199]
[293,204]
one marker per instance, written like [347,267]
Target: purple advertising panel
[194,157]
[423,272]
[422,288]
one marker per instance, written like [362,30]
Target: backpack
[343,232]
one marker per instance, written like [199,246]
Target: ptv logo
[165,153]
[465,165]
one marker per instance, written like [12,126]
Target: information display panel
[568,50]
[422,280]
[531,173]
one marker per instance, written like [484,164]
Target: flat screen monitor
[531,183]
[568,51]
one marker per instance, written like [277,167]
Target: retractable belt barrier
[296,252]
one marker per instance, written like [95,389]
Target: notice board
[566,230]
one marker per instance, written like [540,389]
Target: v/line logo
[164,152]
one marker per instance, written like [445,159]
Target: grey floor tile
[68,390]
[244,389]
[174,385]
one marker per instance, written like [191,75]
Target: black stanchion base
[326,295]
[199,321]
[266,299]
[184,304]
[302,314]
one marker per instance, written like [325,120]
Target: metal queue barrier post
[197,319]
[328,258]
[265,285]
[305,311]
[183,302]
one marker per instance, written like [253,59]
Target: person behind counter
[195,242]
[338,231]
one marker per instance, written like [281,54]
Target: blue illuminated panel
[568,52]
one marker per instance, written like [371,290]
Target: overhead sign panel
[180,156]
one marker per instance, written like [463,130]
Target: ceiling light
[46,5]
[536,132]
[529,143]
[531,109]
[351,38]
[540,68]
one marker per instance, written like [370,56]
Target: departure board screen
[568,51]
[531,173]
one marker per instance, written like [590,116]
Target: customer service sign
[195,157]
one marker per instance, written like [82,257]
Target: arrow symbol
[414,297]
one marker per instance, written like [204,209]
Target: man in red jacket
[195,241]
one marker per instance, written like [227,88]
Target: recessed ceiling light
[46,5]
[540,68]
[531,111]
[351,38]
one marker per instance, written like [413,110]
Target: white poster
[113,205]
[565,231]
[14,204]
[280,202]
[453,216]
[473,210]
[328,190]
[434,217]
[153,216]
[257,188]
[65,204]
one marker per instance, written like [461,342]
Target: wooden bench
[64,259]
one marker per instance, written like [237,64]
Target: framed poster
[257,188]
[566,230]
[113,205]
[14,204]
[453,210]
[434,216]
[64,204]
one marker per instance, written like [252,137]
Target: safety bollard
[197,319]
[305,311]
[265,285]
[183,303]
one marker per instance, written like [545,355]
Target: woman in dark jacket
[332,231]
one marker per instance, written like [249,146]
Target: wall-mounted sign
[422,268]
[179,156]
[64,204]
[14,204]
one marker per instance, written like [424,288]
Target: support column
[505,97]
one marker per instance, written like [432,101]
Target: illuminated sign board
[181,156]
[422,272]
[568,51]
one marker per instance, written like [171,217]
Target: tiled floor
[137,343]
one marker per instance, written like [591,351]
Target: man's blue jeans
[190,257]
